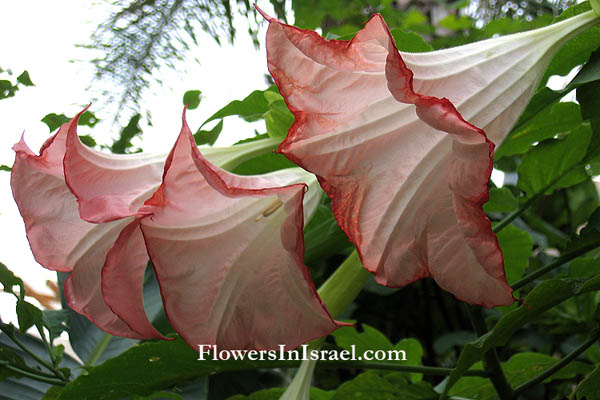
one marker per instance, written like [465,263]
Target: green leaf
[94,346]
[127,134]
[371,339]
[577,50]
[589,388]
[9,280]
[588,235]
[590,72]
[454,23]
[24,388]
[516,246]
[192,99]
[87,140]
[410,42]
[252,108]
[275,394]
[584,267]
[210,136]
[519,369]
[263,164]
[7,355]
[323,236]
[555,161]
[28,315]
[544,296]
[7,89]
[24,79]
[555,120]
[57,321]
[278,118]
[146,369]
[443,344]
[587,96]
[369,385]
[5,168]
[55,121]
[501,200]
[88,119]
[595,6]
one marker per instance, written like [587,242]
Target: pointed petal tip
[264,14]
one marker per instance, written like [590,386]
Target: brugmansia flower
[386,134]
[227,250]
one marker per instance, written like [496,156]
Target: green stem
[33,376]
[559,365]
[95,356]
[389,366]
[48,347]
[555,264]
[491,362]
[11,335]
[342,287]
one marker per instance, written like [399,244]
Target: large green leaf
[501,200]
[577,50]
[555,120]
[370,339]
[544,296]
[519,369]
[555,162]
[278,118]
[516,246]
[589,388]
[14,388]
[147,368]
[251,108]
[370,385]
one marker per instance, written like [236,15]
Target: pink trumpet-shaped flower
[206,224]
[406,173]
[227,252]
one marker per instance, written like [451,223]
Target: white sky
[40,37]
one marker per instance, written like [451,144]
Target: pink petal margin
[229,265]
[409,195]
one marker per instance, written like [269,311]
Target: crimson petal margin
[227,252]
[407,183]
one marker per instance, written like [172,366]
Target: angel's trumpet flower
[227,250]
[386,134]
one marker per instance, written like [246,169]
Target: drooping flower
[223,246]
[406,173]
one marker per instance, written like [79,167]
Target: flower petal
[114,186]
[407,183]
[58,238]
[123,280]
[109,186]
[227,251]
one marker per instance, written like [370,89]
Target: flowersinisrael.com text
[213,353]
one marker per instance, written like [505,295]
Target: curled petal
[123,280]
[60,240]
[227,251]
[109,186]
[406,173]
